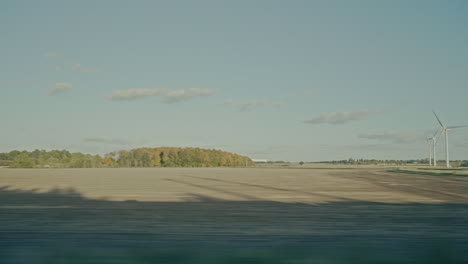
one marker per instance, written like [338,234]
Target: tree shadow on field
[62,226]
[278,189]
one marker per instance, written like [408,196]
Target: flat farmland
[241,184]
[231,215]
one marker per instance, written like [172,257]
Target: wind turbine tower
[445,130]
[428,141]
[434,139]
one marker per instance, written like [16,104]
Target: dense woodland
[142,157]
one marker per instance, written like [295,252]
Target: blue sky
[279,80]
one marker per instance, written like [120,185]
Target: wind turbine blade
[438,119]
[437,132]
[453,127]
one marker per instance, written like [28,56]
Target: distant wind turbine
[428,140]
[432,153]
[446,129]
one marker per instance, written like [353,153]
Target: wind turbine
[428,141]
[446,129]
[434,139]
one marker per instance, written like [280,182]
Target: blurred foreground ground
[224,215]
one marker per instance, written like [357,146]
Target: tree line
[351,161]
[141,157]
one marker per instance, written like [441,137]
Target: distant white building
[260,160]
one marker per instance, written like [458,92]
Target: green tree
[22,161]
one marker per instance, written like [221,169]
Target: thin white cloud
[251,104]
[110,141]
[50,54]
[339,118]
[79,68]
[59,87]
[169,96]
[396,137]
[134,94]
[187,94]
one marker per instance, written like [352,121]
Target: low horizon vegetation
[170,157]
[140,157]
[351,161]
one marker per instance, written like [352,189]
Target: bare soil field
[228,215]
